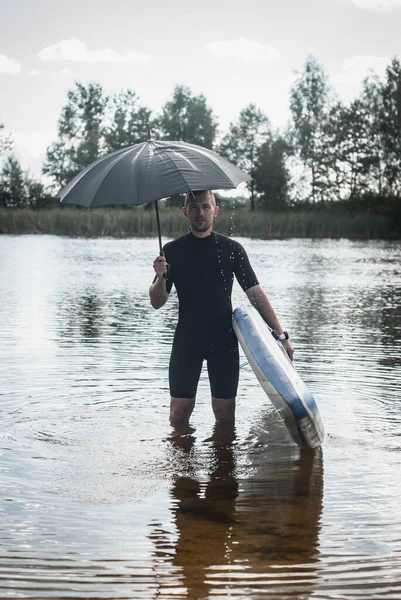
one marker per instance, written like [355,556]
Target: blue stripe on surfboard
[273,372]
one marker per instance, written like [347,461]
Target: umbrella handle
[167,274]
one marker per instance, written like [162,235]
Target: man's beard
[200,226]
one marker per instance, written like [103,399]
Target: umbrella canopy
[148,172]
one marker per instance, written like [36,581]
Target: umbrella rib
[135,166]
[87,170]
[119,154]
[164,158]
[217,168]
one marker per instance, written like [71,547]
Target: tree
[128,122]
[188,118]
[243,141]
[38,197]
[79,133]
[390,127]
[310,104]
[5,141]
[13,192]
[370,144]
[351,146]
[372,159]
[271,174]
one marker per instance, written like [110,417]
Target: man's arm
[158,291]
[261,302]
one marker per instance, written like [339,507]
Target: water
[100,498]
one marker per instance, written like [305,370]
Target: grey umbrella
[148,172]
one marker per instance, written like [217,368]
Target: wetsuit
[202,271]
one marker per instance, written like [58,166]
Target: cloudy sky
[232,51]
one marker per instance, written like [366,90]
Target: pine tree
[13,191]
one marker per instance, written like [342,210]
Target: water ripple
[99,498]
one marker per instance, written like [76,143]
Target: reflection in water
[204,514]
[88,316]
[88,311]
[233,533]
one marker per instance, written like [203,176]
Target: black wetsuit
[202,271]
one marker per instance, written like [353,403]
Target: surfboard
[278,377]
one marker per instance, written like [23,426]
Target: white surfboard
[278,377]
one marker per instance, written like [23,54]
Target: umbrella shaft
[158,227]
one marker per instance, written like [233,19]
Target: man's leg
[224,409]
[223,368]
[184,372]
[180,410]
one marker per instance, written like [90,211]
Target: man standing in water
[203,265]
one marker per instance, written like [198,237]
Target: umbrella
[148,172]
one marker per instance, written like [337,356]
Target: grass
[140,222]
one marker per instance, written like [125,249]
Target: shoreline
[237,222]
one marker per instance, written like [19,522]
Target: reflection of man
[240,533]
[204,513]
[203,265]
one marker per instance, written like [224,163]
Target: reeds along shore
[141,222]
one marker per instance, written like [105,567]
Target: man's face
[200,213]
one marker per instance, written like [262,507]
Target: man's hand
[288,348]
[158,291]
[160,266]
[260,301]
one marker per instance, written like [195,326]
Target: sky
[234,52]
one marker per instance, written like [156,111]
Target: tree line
[329,153]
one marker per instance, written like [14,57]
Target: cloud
[356,68]
[9,65]
[75,50]
[35,72]
[378,5]
[243,49]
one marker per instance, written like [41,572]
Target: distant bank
[139,222]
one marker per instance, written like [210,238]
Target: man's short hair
[191,195]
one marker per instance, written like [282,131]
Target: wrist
[281,337]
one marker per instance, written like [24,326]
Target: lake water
[101,498]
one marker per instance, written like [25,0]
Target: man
[203,265]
